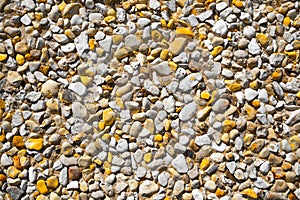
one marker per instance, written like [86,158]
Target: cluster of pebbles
[174,99]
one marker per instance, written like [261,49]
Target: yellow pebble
[109,19]
[249,193]
[256,103]
[109,157]
[286,21]
[228,125]
[18,141]
[107,168]
[251,112]
[41,187]
[216,51]
[262,39]
[173,65]
[2,136]
[106,137]
[111,12]
[237,3]
[184,31]
[158,138]
[34,144]
[163,23]
[204,163]
[202,36]
[13,172]
[248,138]
[3,57]
[148,157]
[108,116]
[277,74]
[254,85]
[52,182]
[171,24]
[86,80]
[294,142]
[62,5]
[219,193]
[70,34]
[3,177]
[292,54]
[234,87]
[2,104]
[205,95]
[20,59]
[164,54]
[298,95]
[92,44]
[117,39]
[126,5]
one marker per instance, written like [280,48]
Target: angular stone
[178,45]
[179,163]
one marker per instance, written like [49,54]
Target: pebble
[148,188]
[179,163]
[50,88]
[220,28]
[178,45]
[188,112]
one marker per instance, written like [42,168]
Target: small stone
[188,112]
[50,88]
[121,53]
[16,193]
[205,163]
[20,59]
[34,144]
[279,186]
[13,172]
[42,187]
[74,173]
[250,94]
[79,110]
[148,188]
[184,31]
[3,57]
[18,142]
[179,163]
[108,116]
[71,9]
[14,78]
[249,193]
[220,106]
[178,45]
[249,32]
[52,182]
[151,88]
[178,187]
[262,39]
[216,51]
[132,41]
[78,88]
[210,186]
[21,48]
[254,47]
[163,69]
[220,28]
[293,118]
[294,142]
[190,81]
